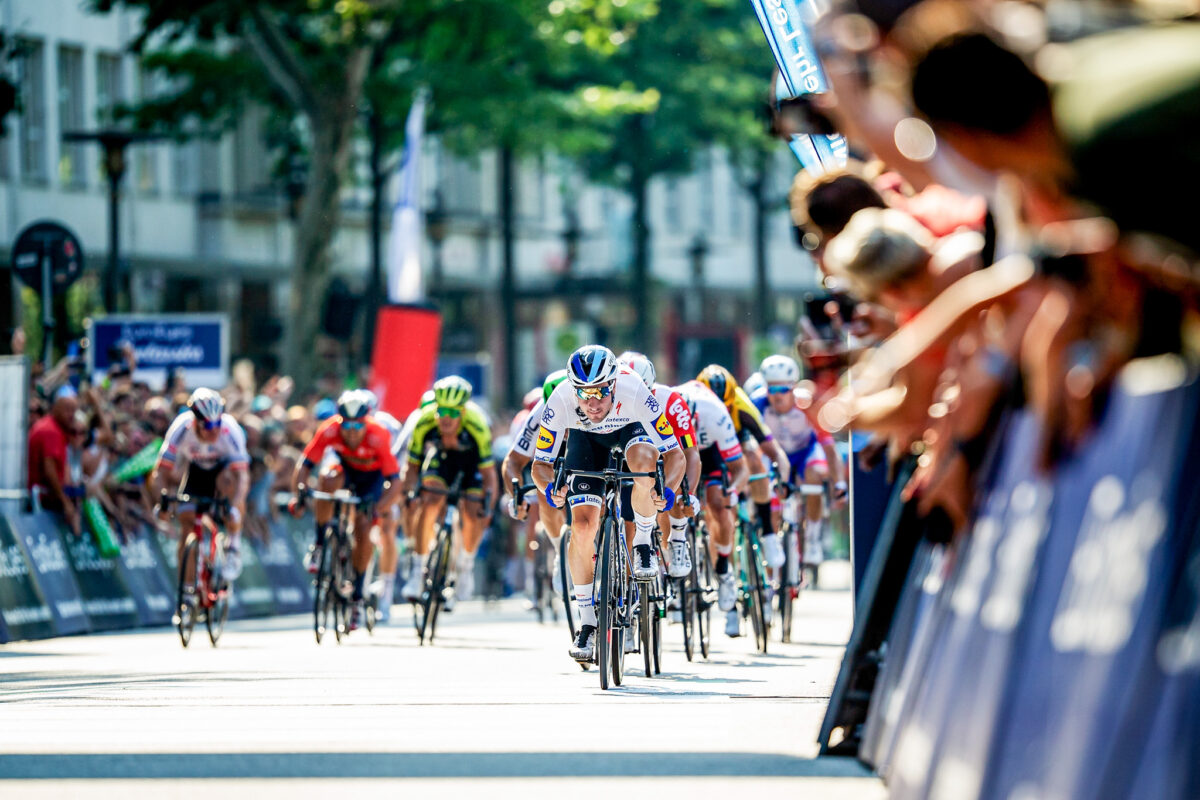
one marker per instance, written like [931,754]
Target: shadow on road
[419,765]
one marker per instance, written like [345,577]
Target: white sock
[679,529]
[643,529]
[724,549]
[813,529]
[583,599]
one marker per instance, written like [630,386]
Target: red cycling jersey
[374,452]
[678,414]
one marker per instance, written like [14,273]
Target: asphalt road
[495,705]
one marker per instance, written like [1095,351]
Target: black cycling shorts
[367,485]
[200,483]
[446,465]
[589,451]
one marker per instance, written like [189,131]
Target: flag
[404,284]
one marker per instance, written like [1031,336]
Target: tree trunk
[643,298]
[508,276]
[375,290]
[762,290]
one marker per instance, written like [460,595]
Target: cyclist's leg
[389,523]
[760,485]
[197,484]
[584,498]
[642,456]
[367,486]
[816,473]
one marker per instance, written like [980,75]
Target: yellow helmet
[721,381]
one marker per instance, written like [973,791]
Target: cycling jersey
[410,425]
[473,434]
[678,414]
[632,403]
[794,431]
[746,419]
[374,452]
[229,448]
[393,427]
[526,435]
[714,427]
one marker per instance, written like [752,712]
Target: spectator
[48,476]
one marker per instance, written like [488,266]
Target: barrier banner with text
[252,593]
[24,611]
[152,589]
[46,553]
[289,582]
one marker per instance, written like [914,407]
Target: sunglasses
[779,389]
[446,411]
[594,392]
[353,425]
[210,424]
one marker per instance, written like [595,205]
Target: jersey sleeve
[479,427]
[235,437]
[320,441]
[654,419]
[751,420]
[552,427]
[680,418]
[169,451]
[382,441]
[425,423]
[524,438]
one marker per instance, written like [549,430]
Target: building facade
[204,224]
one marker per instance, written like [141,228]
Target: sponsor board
[252,594]
[290,584]
[152,591]
[40,538]
[24,611]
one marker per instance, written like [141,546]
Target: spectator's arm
[104,430]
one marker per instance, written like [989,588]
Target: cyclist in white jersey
[205,451]
[604,406]
[390,523]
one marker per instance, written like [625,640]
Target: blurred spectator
[47,458]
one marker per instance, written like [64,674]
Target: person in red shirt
[47,459]
[364,463]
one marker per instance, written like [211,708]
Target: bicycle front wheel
[435,584]
[702,575]
[790,585]
[645,611]
[605,638]
[564,575]
[323,597]
[185,601]
[757,595]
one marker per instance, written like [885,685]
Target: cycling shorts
[802,459]
[589,451]
[445,466]
[200,484]
[367,485]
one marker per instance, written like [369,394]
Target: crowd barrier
[1054,651]
[53,583]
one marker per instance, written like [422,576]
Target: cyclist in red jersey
[367,467]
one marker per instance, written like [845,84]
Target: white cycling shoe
[232,566]
[411,591]
[584,647]
[726,591]
[773,550]
[733,624]
[681,559]
[645,562]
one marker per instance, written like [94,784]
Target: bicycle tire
[645,626]
[656,638]
[322,610]
[185,614]
[218,612]
[564,574]
[341,571]
[787,588]
[435,585]
[604,605]
[370,600]
[685,593]
[622,610]
[757,593]
[702,604]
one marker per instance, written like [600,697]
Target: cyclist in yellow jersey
[452,436]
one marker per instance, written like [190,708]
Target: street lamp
[697,252]
[571,236]
[114,142]
[437,226]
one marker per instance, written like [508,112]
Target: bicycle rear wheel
[218,613]
[564,575]
[790,584]
[185,611]
[702,574]
[606,638]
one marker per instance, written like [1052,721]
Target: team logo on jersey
[663,426]
[687,441]
[548,414]
[545,439]
[652,404]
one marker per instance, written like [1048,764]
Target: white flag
[408,223]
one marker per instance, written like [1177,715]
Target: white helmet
[640,364]
[755,384]
[352,405]
[780,369]
[371,399]
[592,365]
[206,404]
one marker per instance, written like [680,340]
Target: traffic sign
[46,240]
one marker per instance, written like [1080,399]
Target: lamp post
[437,225]
[115,143]
[697,252]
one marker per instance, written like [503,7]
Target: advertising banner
[24,611]
[197,343]
[280,560]
[142,568]
[407,339]
[252,595]
[40,536]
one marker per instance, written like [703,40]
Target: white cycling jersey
[632,402]
[526,435]
[713,424]
[393,427]
[182,443]
[406,432]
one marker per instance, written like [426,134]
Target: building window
[673,200]
[31,78]
[109,87]
[146,175]
[708,189]
[184,168]
[72,155]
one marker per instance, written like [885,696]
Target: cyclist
[719,445]
[410,512]
[204,454]
[365,464]
[390,522]
[605,406]
[553,520]
[680,417]
[452,436]
[751,428]
[810,451]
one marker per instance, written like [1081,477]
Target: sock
[679,529]
[644,529]
[556,541]
[764,517]
[359,579]
[722,565]
[388,591]
[317,534]
[812,530]
[583,599]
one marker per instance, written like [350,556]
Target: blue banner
[786,30]
[196,343]
[290,583]
[153,590]
[41,537]
[25,613]
[252,595]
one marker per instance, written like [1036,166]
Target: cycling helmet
[780,369]
[427,398]
[755,384]
[452,392]
[640,364]
[206,404]
[592,365]
[719,379]
[371,399]
[531,398]
[352,405]
[551,383]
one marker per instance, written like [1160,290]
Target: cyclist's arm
[390,467]
[674,464]
[691,456]
[773,452]
[739,474]
[490,487]
[513,467]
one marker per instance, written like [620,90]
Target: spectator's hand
[71,513]
[841,493]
